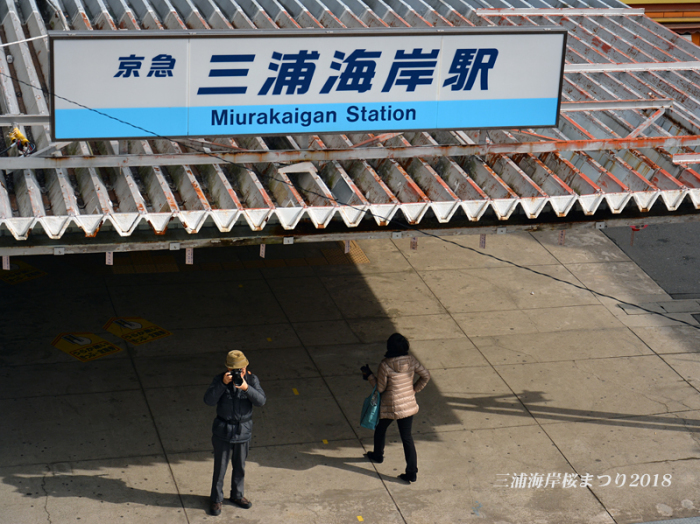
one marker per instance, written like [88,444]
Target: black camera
[237,376]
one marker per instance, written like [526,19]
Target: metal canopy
[628,139]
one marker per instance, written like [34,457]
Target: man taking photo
[234,393]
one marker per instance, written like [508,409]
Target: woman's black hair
[396,346]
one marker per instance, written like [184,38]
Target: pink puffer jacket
[395,383]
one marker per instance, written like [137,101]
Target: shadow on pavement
[295,314]
[497,405]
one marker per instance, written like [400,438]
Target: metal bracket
[50,149]
[649,121]
[301,167]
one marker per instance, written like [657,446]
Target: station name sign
[144,84]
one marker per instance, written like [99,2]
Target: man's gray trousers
[237,454]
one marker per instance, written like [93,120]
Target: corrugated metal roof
[629,128]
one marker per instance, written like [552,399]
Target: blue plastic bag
[370,410]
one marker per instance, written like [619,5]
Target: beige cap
[236,360]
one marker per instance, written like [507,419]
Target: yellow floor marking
[146,262]
[295,391]
[135,330]
[20,272]
[360,518]
[84,346]
[325,441]
[335,256]
[356,255]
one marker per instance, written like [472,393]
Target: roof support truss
[616,105]
[371,153]
[630,67]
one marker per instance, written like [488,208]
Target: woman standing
[395,383]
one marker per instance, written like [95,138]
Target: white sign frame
[349,81]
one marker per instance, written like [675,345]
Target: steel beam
[374,153]
[630,67]
[24,120]
[687,158]
[553,11]
[616,105]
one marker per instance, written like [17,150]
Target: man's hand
[228,377]
[243,386]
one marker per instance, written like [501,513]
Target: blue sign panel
[156,84]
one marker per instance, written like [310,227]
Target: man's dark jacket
[234,407]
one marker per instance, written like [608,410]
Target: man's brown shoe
[215,509]
[242,502]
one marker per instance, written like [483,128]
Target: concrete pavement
[536,385]
[666,252]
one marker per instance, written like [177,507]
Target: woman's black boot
[374,457]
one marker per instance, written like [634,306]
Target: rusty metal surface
[325,155]
[628,136]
